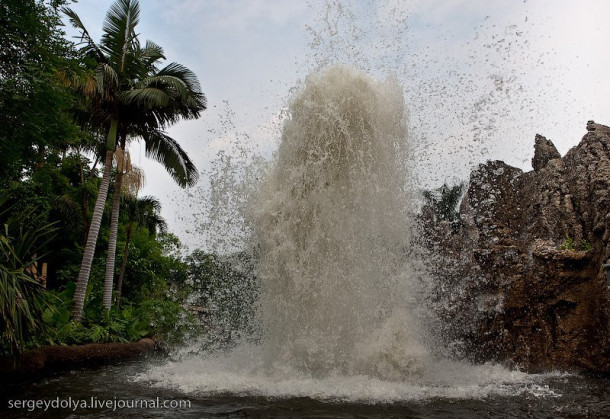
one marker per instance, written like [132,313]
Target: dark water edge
[579,396]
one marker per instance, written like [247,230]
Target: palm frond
[149,209]
[106,80]
[119,32]
[146,98]
[164,149]
[151,53]
[150,202]
[185,75]
[174,86]
[156,223]
[145,212]
[90,47]
[195,102]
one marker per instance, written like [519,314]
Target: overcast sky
[481,78]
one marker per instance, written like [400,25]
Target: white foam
[242,373]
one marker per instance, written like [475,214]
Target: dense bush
[162,319]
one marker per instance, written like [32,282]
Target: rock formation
[544,151]
[521,280]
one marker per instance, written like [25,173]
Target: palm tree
[129,96]
[142,212]
[141,123]
[443,204]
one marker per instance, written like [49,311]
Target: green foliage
[570,244]
[22,298]
[567,243]
[34,117]
[151,309]
[47,183]
[145,212]
[443,202]
[60,193]
[166,319]
[163,319]
[151,269]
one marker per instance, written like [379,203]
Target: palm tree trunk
[84,203]
[112,239]
[94,228]
[119,284]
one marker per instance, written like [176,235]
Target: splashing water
[332,223]
[337,268]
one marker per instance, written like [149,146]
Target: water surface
[549,395]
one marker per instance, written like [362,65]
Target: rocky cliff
[521,277]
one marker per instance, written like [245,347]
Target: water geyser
[332,220]
[332,234]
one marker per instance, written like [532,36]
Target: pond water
[512,395]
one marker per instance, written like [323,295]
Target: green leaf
[48,316]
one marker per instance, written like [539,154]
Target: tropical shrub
[164,320]
[22,298]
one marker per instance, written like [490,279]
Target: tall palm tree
[142,212]
[129,96]
[141,123]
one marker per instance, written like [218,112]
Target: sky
[480,78]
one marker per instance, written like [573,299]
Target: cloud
[233,17]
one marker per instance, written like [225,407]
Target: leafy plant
[586,245]
[567,244]
[163,319]
[570,244]
[22,298]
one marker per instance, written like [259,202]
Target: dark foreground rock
[58,358]
[521,280]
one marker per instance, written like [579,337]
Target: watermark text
[95,403]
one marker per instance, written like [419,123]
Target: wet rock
[544,151]
[532,247]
